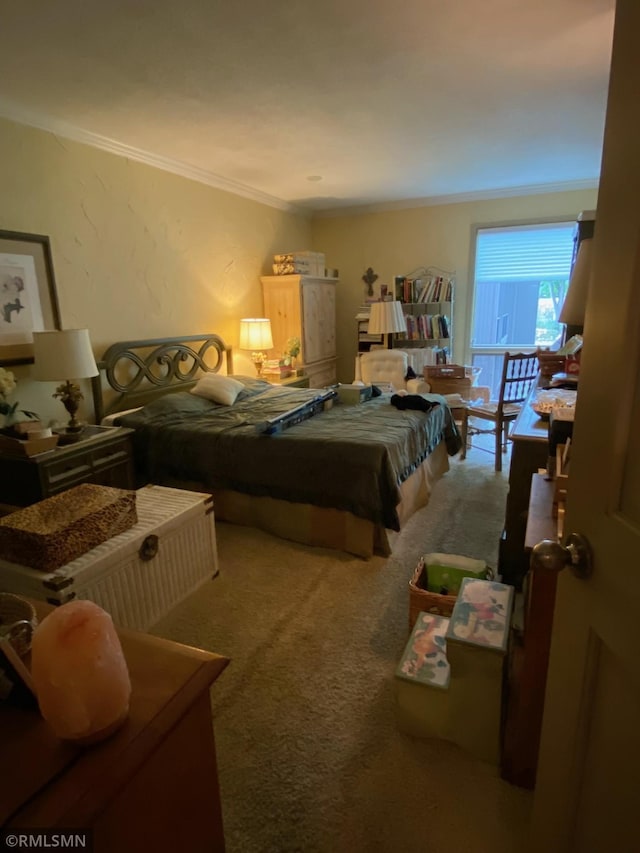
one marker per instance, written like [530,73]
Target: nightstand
[105,459]
[289,381]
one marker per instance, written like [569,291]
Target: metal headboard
[140,371]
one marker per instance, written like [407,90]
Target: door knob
[574,552]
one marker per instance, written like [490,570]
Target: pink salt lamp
[79,672]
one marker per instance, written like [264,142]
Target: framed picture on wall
[28,297]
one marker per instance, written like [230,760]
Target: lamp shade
[575,301]
[255,333]
[63,355]
[386,317]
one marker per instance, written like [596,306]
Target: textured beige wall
[398,241]
[137,252]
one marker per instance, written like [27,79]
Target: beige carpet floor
[310,758]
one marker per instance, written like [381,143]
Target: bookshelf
[427,296]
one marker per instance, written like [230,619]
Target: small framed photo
[28,297]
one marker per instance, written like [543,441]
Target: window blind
[524,253]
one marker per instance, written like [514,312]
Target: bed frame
[138,372]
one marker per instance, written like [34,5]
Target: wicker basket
[421,599]
[17,621]
[63,527]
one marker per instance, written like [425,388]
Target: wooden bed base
[139,371]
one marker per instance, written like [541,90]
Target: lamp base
[66,436]
[70,395]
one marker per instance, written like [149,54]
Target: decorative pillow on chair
[219,389]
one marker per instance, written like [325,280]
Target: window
[520,281]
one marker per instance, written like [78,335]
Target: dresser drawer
[107,461]
[64,473]
[109,457]
[88,465]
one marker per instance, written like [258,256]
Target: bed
[347,477]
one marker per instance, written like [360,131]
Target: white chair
[388,365]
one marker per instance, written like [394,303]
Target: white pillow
[220,389]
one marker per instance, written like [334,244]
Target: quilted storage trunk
[55,531]
[141,574]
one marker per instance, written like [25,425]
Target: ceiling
[323,104]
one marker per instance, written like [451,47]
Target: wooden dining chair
[519,374]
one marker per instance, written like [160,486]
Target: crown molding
[41,121]
[459,198]
[18,114]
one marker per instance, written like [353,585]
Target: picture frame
[28,296]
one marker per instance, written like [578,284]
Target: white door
[587,796]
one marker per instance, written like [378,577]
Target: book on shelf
[280,373]
[428,286]
[276,367]
[426,327]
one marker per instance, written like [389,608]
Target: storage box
[449,379]
[301,262]
[441,385]
[27,446]
[477,639]
[292,268]
[422,680]
[55,531]
[353,394]
[446,571]
[141,574]
[444,371]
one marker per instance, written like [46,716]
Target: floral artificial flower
[293,347]
[7,386]
[7,383]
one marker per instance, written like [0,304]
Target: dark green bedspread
[348,457]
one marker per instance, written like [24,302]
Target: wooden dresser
[105,459]
[530,646]
[151,786]
[303,306]
[529,452]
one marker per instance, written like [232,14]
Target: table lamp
[65,355]
[575,302]
[386,318]
[255,335]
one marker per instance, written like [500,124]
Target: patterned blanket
[347,457]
